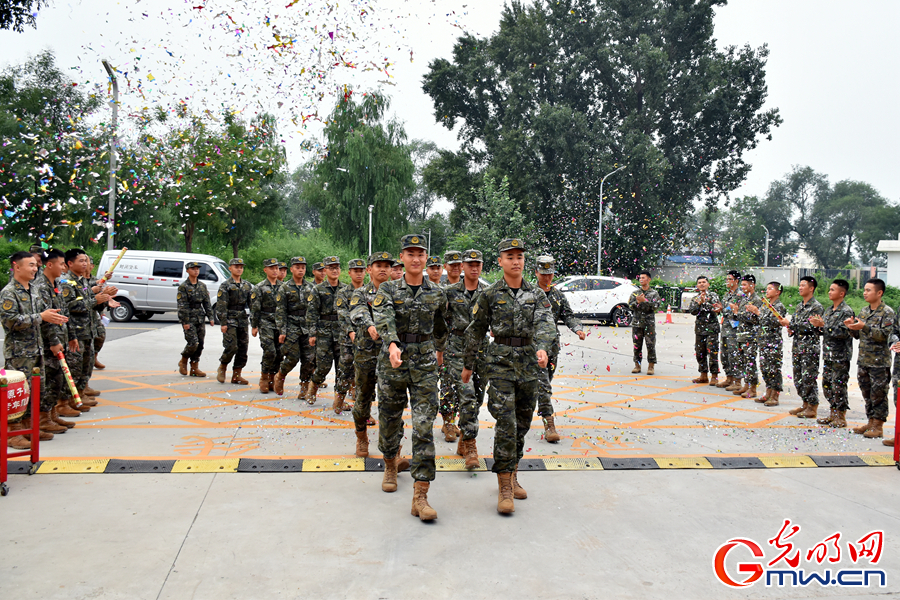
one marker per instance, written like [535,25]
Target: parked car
[148,280]
[599,298]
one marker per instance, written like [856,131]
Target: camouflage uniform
[322,321]
[290,319]
[837,352]
[232,303]
[415,321]
[81,304]
[748,338]
[21,318]
[366,350]
[706,333]
[874,359]
[729,351]
[771,347]
[467,398]
[193,310]
[806,350]
[55,387]
[98,321]
[643,326]
[342,305]
[559,311]
[522,325]
[262,317]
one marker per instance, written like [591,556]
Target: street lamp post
[429,242]
[600,229]
[371,206]
[113,144]
[766,261]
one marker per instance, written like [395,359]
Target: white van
[150,280]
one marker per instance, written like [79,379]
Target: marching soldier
[453,266]
[706,332]
[193,310]
[397,271]
[98,317]
[837,352]
[318,270]
[559,311]
[357,270]
[324,332]
[771,344]
[806,350]
[747,312]
[282,271]
[895,377]
[262,322]
[644,304]
[232,303]
[290,319]
[434,269]
[729,348]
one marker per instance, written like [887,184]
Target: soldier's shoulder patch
[546,304]
[309,298]
[178,296]
[67,291]
[474,308]
[378,300]
[501,301]
[277,297]
[8,304]
[253,296]
[339,301]
[354,300]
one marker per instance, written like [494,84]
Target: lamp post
[371,206]
[429,242]
[600,229]
[113,144]
[766,261]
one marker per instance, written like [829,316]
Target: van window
[168,268]
[603,284]
[207,273]
[223,269]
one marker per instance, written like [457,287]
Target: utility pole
[113,145]
[600,229]
[371,206]
[766,262]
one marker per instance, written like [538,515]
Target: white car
[599,298]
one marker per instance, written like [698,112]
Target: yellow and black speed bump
[531,464]
[838,461]
[23,467]
[735,462]
[612,464]
[139,466]
[253,465]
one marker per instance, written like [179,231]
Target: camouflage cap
[433,261]
[356,263]
[397,263]
[318,266]
[546,264]
[413,241]
[452,257]
[270,262]
[473,255]
[236,261]
[511,244]
[298,260]
[192,265]
[331,260]
[381,257]
[282,264]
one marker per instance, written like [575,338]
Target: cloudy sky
[831,71]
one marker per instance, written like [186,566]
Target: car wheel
[143,315]
[124,312]
[621,317]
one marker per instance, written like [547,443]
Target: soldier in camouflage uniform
[729,348]
[771,344]
[367,346]
[357,270]
[466,397]
[193,310]
[262,322]
[325,332]
[837,352]
[453,267]
[644,304]
[290,318]
[232,303]
[21,316]
[559,311]
[895,378]
[434,269]
[449,399]
[282,271]
[706,332]
[875,329]
[318,271]
[397,271]
[518,313]
[98,319]
[747,313]
[806,350]
[409,317]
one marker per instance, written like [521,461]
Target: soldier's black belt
[196,306]
[515,342]
[238,307]
[328,317]
[461,332]
[414,338]
[297,313]
[268,312]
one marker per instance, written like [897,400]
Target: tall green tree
[16,14]
[566,90]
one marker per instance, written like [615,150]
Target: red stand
[35,431]
[897,430]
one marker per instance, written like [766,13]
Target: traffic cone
[668,314]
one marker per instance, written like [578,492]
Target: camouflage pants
[235,342]
[640,335]
[805,359]
[748,355]
[347,368]
[729,355]
[81,363]
[328,352]
[193,341]
[545,403]
[874,383]
[706,348]
[55,385]
[26,364]
[512,404]
[364,367]
[423,401]
[835,377]
[296,349]
[466,398]
[272,356]
[100,339]
[771,355]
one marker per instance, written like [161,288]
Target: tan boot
[88,401]
[637,368]
[311,393]
[98,365]
[519,492]
[714,381]
[702,379]
[461,446]
[797,411]
[362,444]
[829,419]
[735,385]
[472,454]
[195,370]
[49,425]
[64,410]
[773,401]
[304,389]
[220,373]
[389,479]
[750,393]
[420,506]
[650,368]
[182,365]
[840,419]
[237,379]
[18,442]
[89,391]
[402,464]
[812,410]
[278,384]
[83,407]
[338,405]
[742,390]
[263,383]
[550,430]
[888,441]
[726,383]
[505,504]
[764,399]
[450,431]
[54,414]
[324,385]
[863,428]
[876,430]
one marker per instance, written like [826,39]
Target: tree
[300,216]
[853,211]
[422,152]
[567,89]
[797,198]
[16,14]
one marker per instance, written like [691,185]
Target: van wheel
[143,315]
[621,317]
[123,313]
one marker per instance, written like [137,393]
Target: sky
[830,72]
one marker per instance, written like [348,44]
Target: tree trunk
[188,237]
[234,246]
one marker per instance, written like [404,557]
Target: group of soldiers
[419,340]
[751,342]
[52,313]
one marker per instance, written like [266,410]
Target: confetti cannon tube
[772,308]
[113,267]
[69,380]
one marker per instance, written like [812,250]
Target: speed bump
[214,465]
[333,465]
[774,462]
[878,460]
[573,464]
[457,464]
[676,462]
[73,466]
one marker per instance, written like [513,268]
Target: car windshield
[223,269]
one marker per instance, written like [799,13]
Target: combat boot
[750,393]
[389,479]
[88,401]
[702,379]
[840,419]
[195,370]
[765,398]
[182,365]
[362,444]
[735,385]
[263,383]
[89,391]
[18,442]
[519,492]
[550,430]
[220,372]
[420,506]
[278,384]
[461,446]
[812,410]
[773,401]
[311,393]
[449,429]
[338,405]
[471,454]
[505,504]
[888,441]
[862,428]
[714,381]
[637,368]
[876,430]
[797,411]
[98,365]
[304,388]
[827,420]
[727,383]
[237,379]
[64,410]
[650,369]
[54,414]
[81,408]
[49,425]
[742,390]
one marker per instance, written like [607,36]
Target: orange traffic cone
[668,314]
